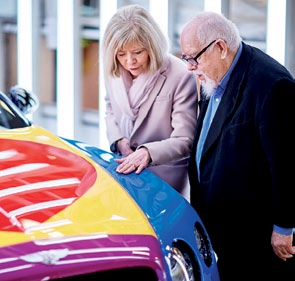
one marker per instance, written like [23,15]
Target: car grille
[130,274]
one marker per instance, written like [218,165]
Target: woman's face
[134,58]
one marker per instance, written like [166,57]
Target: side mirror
[26,101]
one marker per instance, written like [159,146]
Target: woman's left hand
[138,160]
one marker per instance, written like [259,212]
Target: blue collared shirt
[212,107]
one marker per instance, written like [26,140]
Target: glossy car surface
[66,214]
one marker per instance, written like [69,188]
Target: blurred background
[51,47]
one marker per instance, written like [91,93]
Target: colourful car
[65,214]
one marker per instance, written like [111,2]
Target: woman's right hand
[138,161]
[123,146]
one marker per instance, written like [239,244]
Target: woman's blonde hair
[133,24]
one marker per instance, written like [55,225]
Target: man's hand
[282,245]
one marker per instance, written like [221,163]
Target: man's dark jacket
[247,165]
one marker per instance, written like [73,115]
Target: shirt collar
[223,83]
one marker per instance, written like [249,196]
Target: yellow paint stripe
[105,208]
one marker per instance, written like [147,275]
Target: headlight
[203,244]
[181,265]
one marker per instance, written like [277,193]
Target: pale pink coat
[166,122]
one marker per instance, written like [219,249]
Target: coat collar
[145,107]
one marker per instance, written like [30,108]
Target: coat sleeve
[113,131]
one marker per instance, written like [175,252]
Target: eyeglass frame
[193,60]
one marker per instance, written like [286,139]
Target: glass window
[250,18]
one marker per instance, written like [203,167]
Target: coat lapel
[145,107]
[230,100]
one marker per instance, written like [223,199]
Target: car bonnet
[56,202]
[47,188]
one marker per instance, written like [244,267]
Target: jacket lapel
[145,107]
[230,100]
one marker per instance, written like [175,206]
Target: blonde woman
[150,98]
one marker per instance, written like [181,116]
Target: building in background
[71,91]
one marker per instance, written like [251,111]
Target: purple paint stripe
[89,254]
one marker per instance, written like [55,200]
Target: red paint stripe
[57,164]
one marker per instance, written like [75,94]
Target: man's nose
[191,66]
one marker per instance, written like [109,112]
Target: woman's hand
[137,160]
[123,146]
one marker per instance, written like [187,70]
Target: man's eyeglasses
[194,61]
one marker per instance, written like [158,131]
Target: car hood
[45,183]
[55,202]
